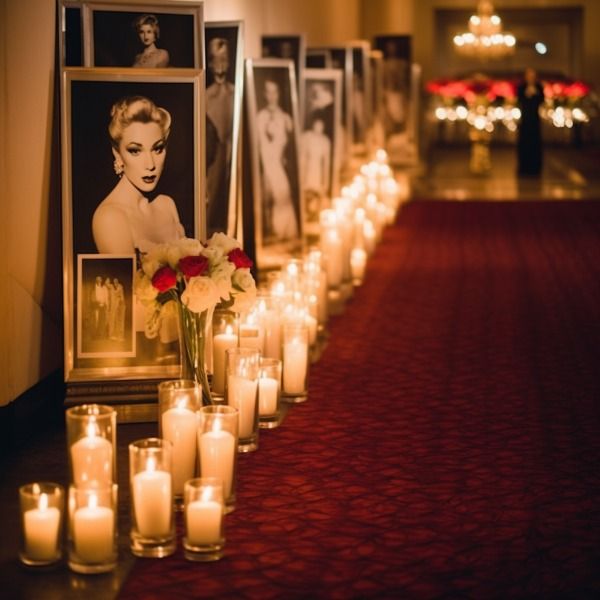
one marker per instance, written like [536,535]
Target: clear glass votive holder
[270,319]
[93,514]
[225,327]
[217,447]
[295,362]
[204,538]
[241,392]
[269,393]
[42,506]
[152,519]
[178,404]
[91,443]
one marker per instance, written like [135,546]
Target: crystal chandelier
[485,38]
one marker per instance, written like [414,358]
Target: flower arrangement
[196,278]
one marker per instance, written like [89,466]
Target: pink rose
[240,259]
[164,279]
[193,266]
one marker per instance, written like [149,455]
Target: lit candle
[94,532]
[41,531]
[221,343]
[217,450]
[295,365]
[333,251]
[271,326]
[241,394]
[179,426]
[268,389]
[92,458]
[152,501]
[358,262]
[311,323]
[204,521]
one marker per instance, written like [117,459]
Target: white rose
[143,288]
[244,301]
[243,280]
[200,294]
[152,320]
[181,248]
[222,278]
[223,241]
[155,258]
[213,253]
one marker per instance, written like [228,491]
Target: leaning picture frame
[168,34]
[273,119]
[377,133]
[70,33]
[132,177]
[360,90]
[224,52]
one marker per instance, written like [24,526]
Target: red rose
[193,266]
[240,259]
[164,279]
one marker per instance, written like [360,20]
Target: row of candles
[257,360]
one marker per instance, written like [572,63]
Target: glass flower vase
[193,331]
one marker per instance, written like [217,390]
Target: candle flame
[91,429]
[229,330]
[216,428]
[182,402]
[93,500]
[151,464]
[43,503]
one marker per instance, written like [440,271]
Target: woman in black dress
[529,143]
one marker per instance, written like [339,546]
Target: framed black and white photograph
[273,119]
[291,47]
[149,36]
[105,311]
[319,140]
[132,178]
[360,90]
[224,90]
[318,58]
[70,33]
[377,133]
[396,84]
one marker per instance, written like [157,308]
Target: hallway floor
[568,174]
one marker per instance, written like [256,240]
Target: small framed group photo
[320,140]
[132,178]
[274,130]
[224,90]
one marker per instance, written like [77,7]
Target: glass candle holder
[93,529]
[252,334]
[217,447]
[269,317]
[41,523]
[204,538]
[269,391]
[358,262]
[91,442]
[295,362]
[152,522]
[241,392]
[178,403]
[225,327]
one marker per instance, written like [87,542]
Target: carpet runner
[450,446]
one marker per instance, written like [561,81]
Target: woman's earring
[118,167]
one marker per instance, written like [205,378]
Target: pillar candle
[94,532]
[268,389]
[203,522]
[359,262]
[272,329]
[241,394]
[179,426]
[217,455]
[295,366]
[221,343]
[152,502]
[251,336]
[41,531]
[92,459]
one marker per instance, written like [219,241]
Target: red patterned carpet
[450,446]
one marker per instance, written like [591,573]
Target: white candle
[41,531]
[295,366]
[217,455]
[241,394]
[334,260]
[94,532]
[311,323]
[152,501]
[221,343]
[272,329]
[203,522]
[179,426]
[268,389]
[92,459]
[359,262]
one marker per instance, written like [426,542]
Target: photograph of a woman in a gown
[151,56]
[275,129]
